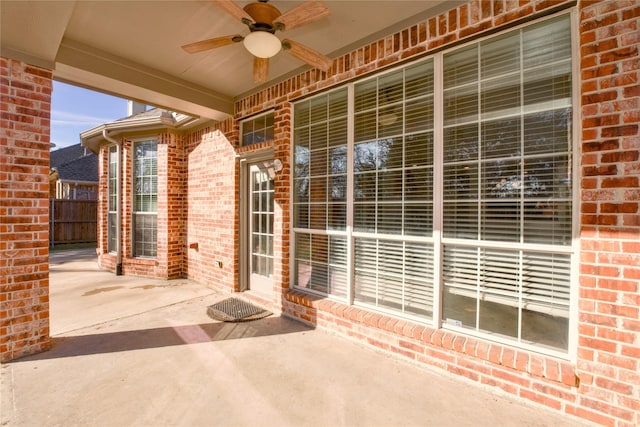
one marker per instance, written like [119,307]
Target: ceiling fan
[263,21]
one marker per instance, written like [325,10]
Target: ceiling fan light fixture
[262,44]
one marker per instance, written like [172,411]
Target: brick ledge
[424,343]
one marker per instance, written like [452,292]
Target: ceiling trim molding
[75,59]
[7,52]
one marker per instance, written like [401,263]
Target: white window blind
[320,135]
[146,198]
[146,176]
[393,152]
[507,178]
[394,275]
[393,190]
[112,199]
[321,263]
[320,193]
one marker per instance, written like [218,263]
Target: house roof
[67,154]
[150,120]
[153,112]
[75,163]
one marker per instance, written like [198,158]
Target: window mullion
[350,193]
[438,182]
[522,188]
[522,163]
[479,198]
[520,292]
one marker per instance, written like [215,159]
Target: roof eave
[93,138]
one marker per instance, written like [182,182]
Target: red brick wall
[126,207]
[171,201]
[609,328]
[103,176]
[212,204]
[282,198]
[602,383]
[25,93]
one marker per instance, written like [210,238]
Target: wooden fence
[73,221]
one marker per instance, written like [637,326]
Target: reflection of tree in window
[257,130]
[320,137]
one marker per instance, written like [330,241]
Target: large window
[112,199]
[446,194]
[393,190]
[507,185]
[146,198]
[320,182]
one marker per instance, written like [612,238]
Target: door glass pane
[261,222]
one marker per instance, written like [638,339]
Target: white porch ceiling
[132,48]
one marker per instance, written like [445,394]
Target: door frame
[244,246]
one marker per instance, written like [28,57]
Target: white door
[260,229]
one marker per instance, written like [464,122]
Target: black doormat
[236,310]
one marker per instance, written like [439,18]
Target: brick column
[171,191]
[282,183]
[25,94]
[609,300]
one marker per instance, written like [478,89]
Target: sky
[75,110]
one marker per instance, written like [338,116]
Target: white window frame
[438,195]
[252,119]
[134,211]
[349,206]
[117,188]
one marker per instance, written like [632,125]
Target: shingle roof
[67,154]
[153,112]
[75,163]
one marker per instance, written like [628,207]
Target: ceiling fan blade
[308,55]
[260,69]
[212,43]
[234,10]
[302,14]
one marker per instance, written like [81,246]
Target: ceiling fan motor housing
[263,14]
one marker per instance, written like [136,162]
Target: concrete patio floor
[139,352]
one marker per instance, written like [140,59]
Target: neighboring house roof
[75,163]
[83,169]
[149,120]
[67,154]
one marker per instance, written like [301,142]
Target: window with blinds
[257,130]
[320,201]
[145,198]
[507,178]
[393,190]
[448,190]
[112,199]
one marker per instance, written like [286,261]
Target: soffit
[132,49]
